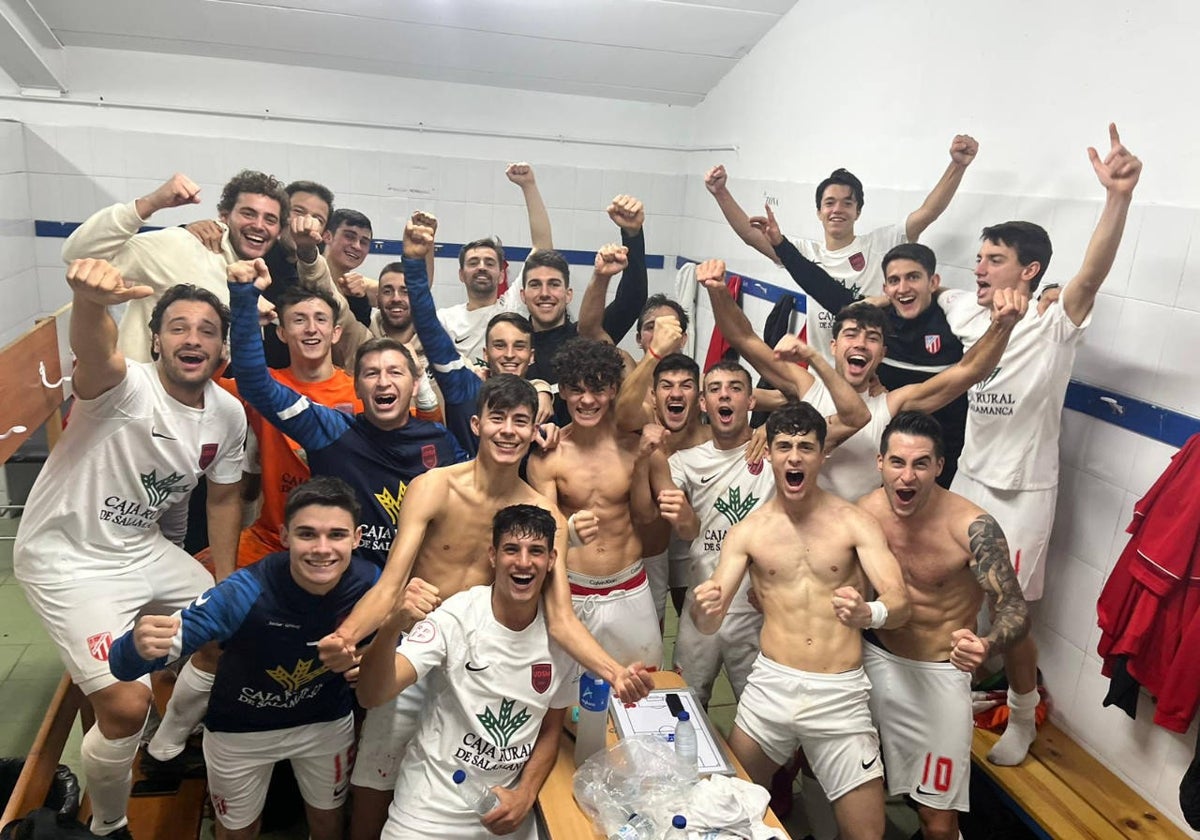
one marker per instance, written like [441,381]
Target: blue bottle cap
[684,715]
[459,777]
[679,821]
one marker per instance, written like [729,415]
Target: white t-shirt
[468,327]
[125,458]
[852,470]
[1014,415]
[491,688]
[723,490]
[858,267]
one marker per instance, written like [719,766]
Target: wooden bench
[29,403]
[1070,795]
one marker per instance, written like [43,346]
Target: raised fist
[968,651]
[99,282]
[586,526]
[963,149]
[422,219]
[611,260]
[707,597]
[418,239]
[249,271]
[418,600]
[1008,307]
[791,349]
[353,284]
[627,212]
[715,178]
[850,608]
[306,236]
[667,337]
[672,504]
[711,274]
[654,437]
[153,635]
[176,191]
[520,174]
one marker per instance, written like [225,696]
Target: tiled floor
[30,670]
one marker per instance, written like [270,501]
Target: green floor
[30,670]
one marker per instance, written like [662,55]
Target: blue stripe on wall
[1147,419]
[391,247]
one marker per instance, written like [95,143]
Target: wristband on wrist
[879,614]
[573,539]
[650,350]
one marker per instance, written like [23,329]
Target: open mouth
[905,300]
[191,360]
[254,239]
[856,362]
[906,495]
[794,479]
[384,400]
[522,580]
[320,564]
[725,414]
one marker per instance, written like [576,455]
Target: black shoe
[189,764]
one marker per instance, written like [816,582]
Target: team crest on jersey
[158,490]
[99,646]
[429,456]
[422,632]
[858,262]
[298,677]
[933,344]
[504,725]
[734,507]
[208,452]
[391,503]
[539,675]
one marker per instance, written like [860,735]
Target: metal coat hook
[45,382]
[15,430]
[1116,407]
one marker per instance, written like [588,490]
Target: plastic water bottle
[685,742]
[637,827]
[479,797]
[592,731]
[679,823]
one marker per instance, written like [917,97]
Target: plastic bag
[639,774]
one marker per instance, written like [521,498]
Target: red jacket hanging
[718,347]
[1149,609]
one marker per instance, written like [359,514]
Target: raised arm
[99,365]
[735,326]
[384,672]
[630,297]
[540,235]
[631,412]
[611,260]
[106,233]
[1010,613]
[1118,173]
[712,597]
[1008,308]
[852,413]
[963,149]
[716,180]
[882,570]
[815,281]
[651,462]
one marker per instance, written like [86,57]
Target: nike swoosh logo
[156,433]
[476,668]
[202,599]
[866,765]
[924,792]
[707,479]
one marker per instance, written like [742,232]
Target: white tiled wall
[75,170]
[18,275]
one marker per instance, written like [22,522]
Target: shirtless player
[592,474]
[952,554]
[810,555]
[442,539]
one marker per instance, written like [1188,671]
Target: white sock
[108,775]
[822,824]
[1014,744]
[189,702]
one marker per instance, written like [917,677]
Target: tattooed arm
[1010,614]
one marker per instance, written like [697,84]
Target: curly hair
[256,183]
[594,365]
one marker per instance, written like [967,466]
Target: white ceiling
[665,51]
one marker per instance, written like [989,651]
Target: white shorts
[385,733]
[1026,517]
[402,825]
[923,711]
[656,576]
[827,714]
[84,617]
[240,764]
[619,612]
[698,658]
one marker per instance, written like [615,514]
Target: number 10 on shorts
[942,770]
